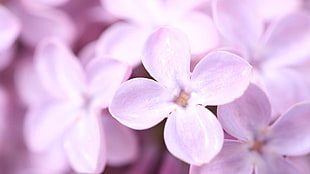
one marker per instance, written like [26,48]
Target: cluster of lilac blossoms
[155,86]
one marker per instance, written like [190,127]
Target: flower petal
[220,78]
[9,28]
[6,57]
[193,135]
[141,103]
[290,134]
[58,69]
[247,116]
[238,21]
[123,41]
[42,4]
[47,123]
[278,81]
[233,158]
[273,9]
[46,23]
[138,11]
[102,85]
[201,31]
[85,144]
[167,57]
[122,143]
[275,164]
[301,163]
[28,85]
[288,41]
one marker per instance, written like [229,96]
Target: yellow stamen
[182,99]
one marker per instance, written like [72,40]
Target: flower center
[182,99]
[257,146]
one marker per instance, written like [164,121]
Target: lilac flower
[276,55]
[260,145]
[9,31]
[125,40]
[71,114]
[192,133]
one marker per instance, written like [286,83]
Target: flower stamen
[182,99]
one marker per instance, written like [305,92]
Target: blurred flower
[261,146]
[124,40]
[275,54]
[192,133]
[71,113]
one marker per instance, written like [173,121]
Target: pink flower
[192,133]
[71,114]
[125,40]
[261,144]
[276,54]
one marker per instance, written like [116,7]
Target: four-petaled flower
[261,146]
[192,133]
[72,111]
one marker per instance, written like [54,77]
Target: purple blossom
[261,145]
[192,133]
[276,53]
[72,113]
[125,40]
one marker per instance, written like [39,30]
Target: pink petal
[233,158]
[28,84]
[238,21]
[247,116]
[121,142]
[9,28]
[301,163]
[59,70]
[102,85]
[290,134]
[123,41]
[47,123]
[141,103]
[49,23]
[289,40]
[273,9]
[167,57]
[185,5]
[52,161]
[43,3]
[278,81]
[193,135]
[138,11]
[6,57]
[85,144]
[200,30]
[275,164]
[219,78]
